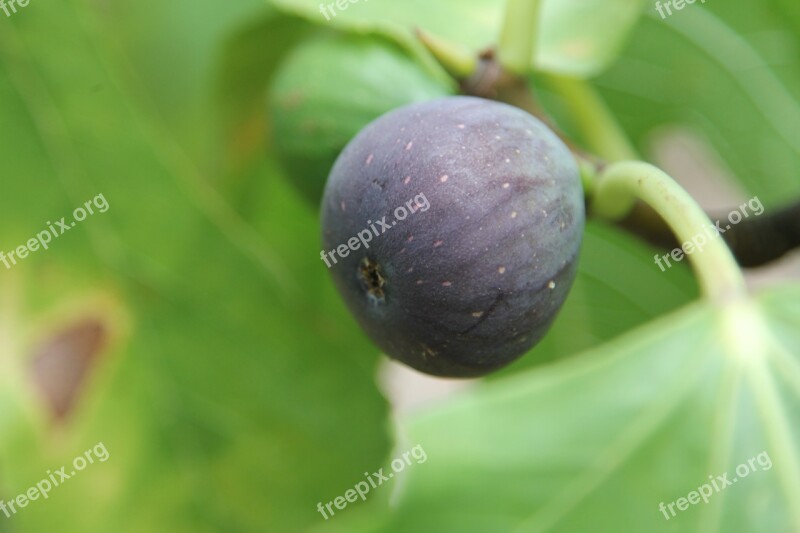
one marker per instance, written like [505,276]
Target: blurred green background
[193,330]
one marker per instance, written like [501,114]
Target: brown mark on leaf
[62,362]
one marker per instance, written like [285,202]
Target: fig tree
[452,228]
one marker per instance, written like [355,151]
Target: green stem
[588,172]
[456,60]
[621,184]
[601,132]
[517,44]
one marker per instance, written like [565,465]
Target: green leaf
[597,442]
[581,38]
[233,387]
[728,72]
[172,51]
[578,37]
[250,58]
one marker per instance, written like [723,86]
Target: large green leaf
[172,55]
[598,442]
[222,406]
[578,37]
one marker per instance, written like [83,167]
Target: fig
[452,229]
[330,87]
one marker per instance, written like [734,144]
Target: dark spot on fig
[373,280]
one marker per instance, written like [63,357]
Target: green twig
[621,184]
[456,60]
[517,44]
[600,130]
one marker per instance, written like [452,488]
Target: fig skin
[473,281]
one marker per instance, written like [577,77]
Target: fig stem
[457,61]
[601,131]
[621,184]
[517,44]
